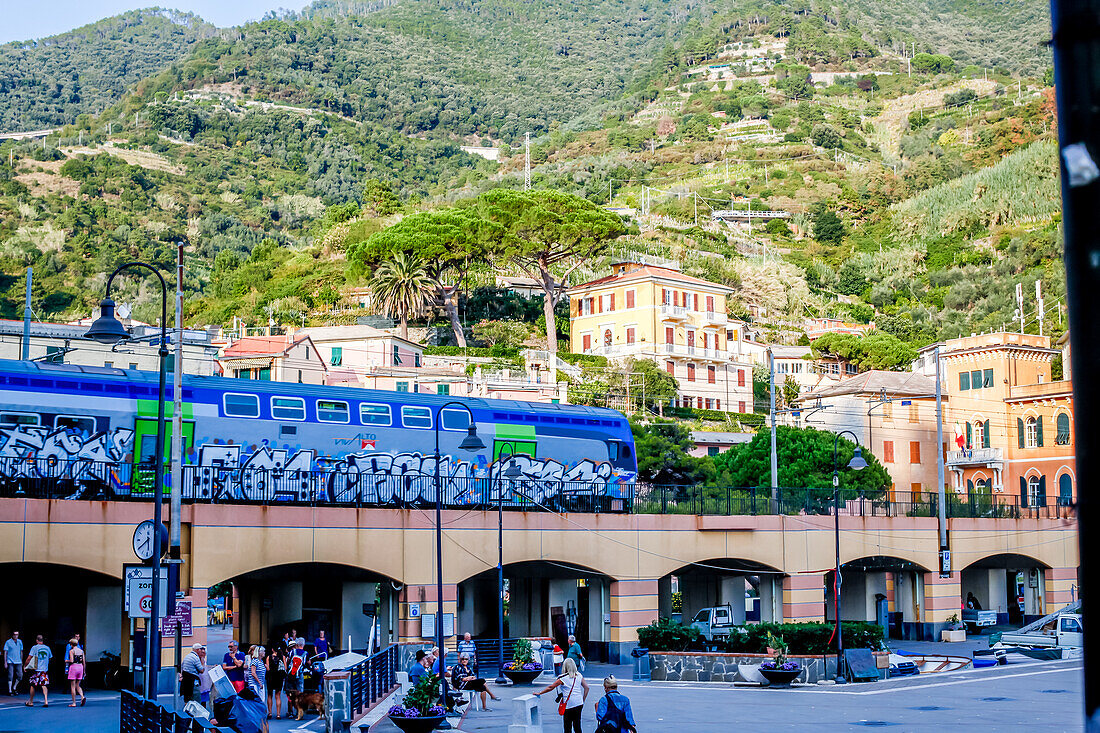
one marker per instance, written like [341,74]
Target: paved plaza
[1038,696]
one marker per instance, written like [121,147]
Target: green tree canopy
[805,458]
[828,227]
[876,350]
[663,459]
[401,287]
[547,234]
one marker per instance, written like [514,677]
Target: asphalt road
[1039,696]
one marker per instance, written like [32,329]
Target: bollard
[526,715]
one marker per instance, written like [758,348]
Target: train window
[612,451]
[375,414]
[241,405]
[288,408]
[626,451]
[18,418]
[332,411]
[83,425]
[416,417]
[454,419]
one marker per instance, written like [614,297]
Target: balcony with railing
[674,312]
[990,457]
[694,352]
[714,318]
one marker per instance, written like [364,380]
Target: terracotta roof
[261,346]
[892,384]
[650,271]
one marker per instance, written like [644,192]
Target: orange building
[1009,428]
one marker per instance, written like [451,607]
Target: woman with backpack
[613,713]
[570,699]
[76,671]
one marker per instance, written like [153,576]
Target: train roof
[229,384]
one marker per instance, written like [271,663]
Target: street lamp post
[856,464]
[108,330]
[470,443]
[510,473]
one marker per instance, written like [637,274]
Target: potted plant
[419,711]
[523,669]
[779,671]
[955,630]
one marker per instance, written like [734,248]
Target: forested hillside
[48,82]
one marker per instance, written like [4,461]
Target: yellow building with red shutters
[660,314]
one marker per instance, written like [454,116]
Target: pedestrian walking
[75,673]
[613,713]
[38,665]
[276,677]
[320,644]
[576,654]
[570,699]
[68,648]
[191,671]
[469,648]
[13,662]
[559,659]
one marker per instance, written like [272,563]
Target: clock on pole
[143,539]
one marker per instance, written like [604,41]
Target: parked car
[714,623]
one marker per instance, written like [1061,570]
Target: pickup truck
[714,623]
[975,620]
[1064,630]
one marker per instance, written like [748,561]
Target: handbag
[31,664]
[561,705]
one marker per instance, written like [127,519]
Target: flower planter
[521,676]
[953,635]
[780,677]
[417,725]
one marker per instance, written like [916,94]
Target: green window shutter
[1062,427]
[985,435]
[987,378]
[969,435]
[1039,431]
[337,356]
[976,379]
[1065,490]
[1020,430]
[1042,491]
[964,381]
[1023,491]
[969,486]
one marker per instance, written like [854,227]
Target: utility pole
[1076,48]
[941,495]
[177,415]
[696,208]
[27,320]
[1039,306]
[1020,304]
[774,456]
[526,161]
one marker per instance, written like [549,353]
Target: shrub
[668,636]
[804,638]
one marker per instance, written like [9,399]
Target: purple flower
[397,711]
[532,666]
[435,710]
[790,666]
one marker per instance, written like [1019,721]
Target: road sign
[414,610]
[138,599]
[181,617]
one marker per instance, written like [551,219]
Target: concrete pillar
[732,591]
[941,599]
[422,598]
[633,604]
[664,597]
[1060,587]
[804,597]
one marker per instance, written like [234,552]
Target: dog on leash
[302,701]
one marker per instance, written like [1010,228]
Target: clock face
[143,540]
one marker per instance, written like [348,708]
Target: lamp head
[858,463]
[471,442]
[513,470]
[107,329]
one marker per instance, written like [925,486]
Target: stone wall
[714,667]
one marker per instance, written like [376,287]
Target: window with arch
[1061,424]
[1036,492]
[979,434]
[1065,490]
[1031,433]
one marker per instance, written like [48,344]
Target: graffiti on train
[228,471]
[34,451]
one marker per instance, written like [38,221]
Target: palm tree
[402,288]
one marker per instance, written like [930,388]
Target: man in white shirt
[13,661]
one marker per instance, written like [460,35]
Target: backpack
[615,719]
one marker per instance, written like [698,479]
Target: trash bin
[641,664]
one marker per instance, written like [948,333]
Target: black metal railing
[372,679]
[138,715]
[759,501]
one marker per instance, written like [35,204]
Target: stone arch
[999,580]
[752,589]
[876,585]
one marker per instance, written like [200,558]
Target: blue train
[86,432]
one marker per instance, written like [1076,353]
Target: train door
[145,446]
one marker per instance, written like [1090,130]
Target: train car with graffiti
[87,432]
